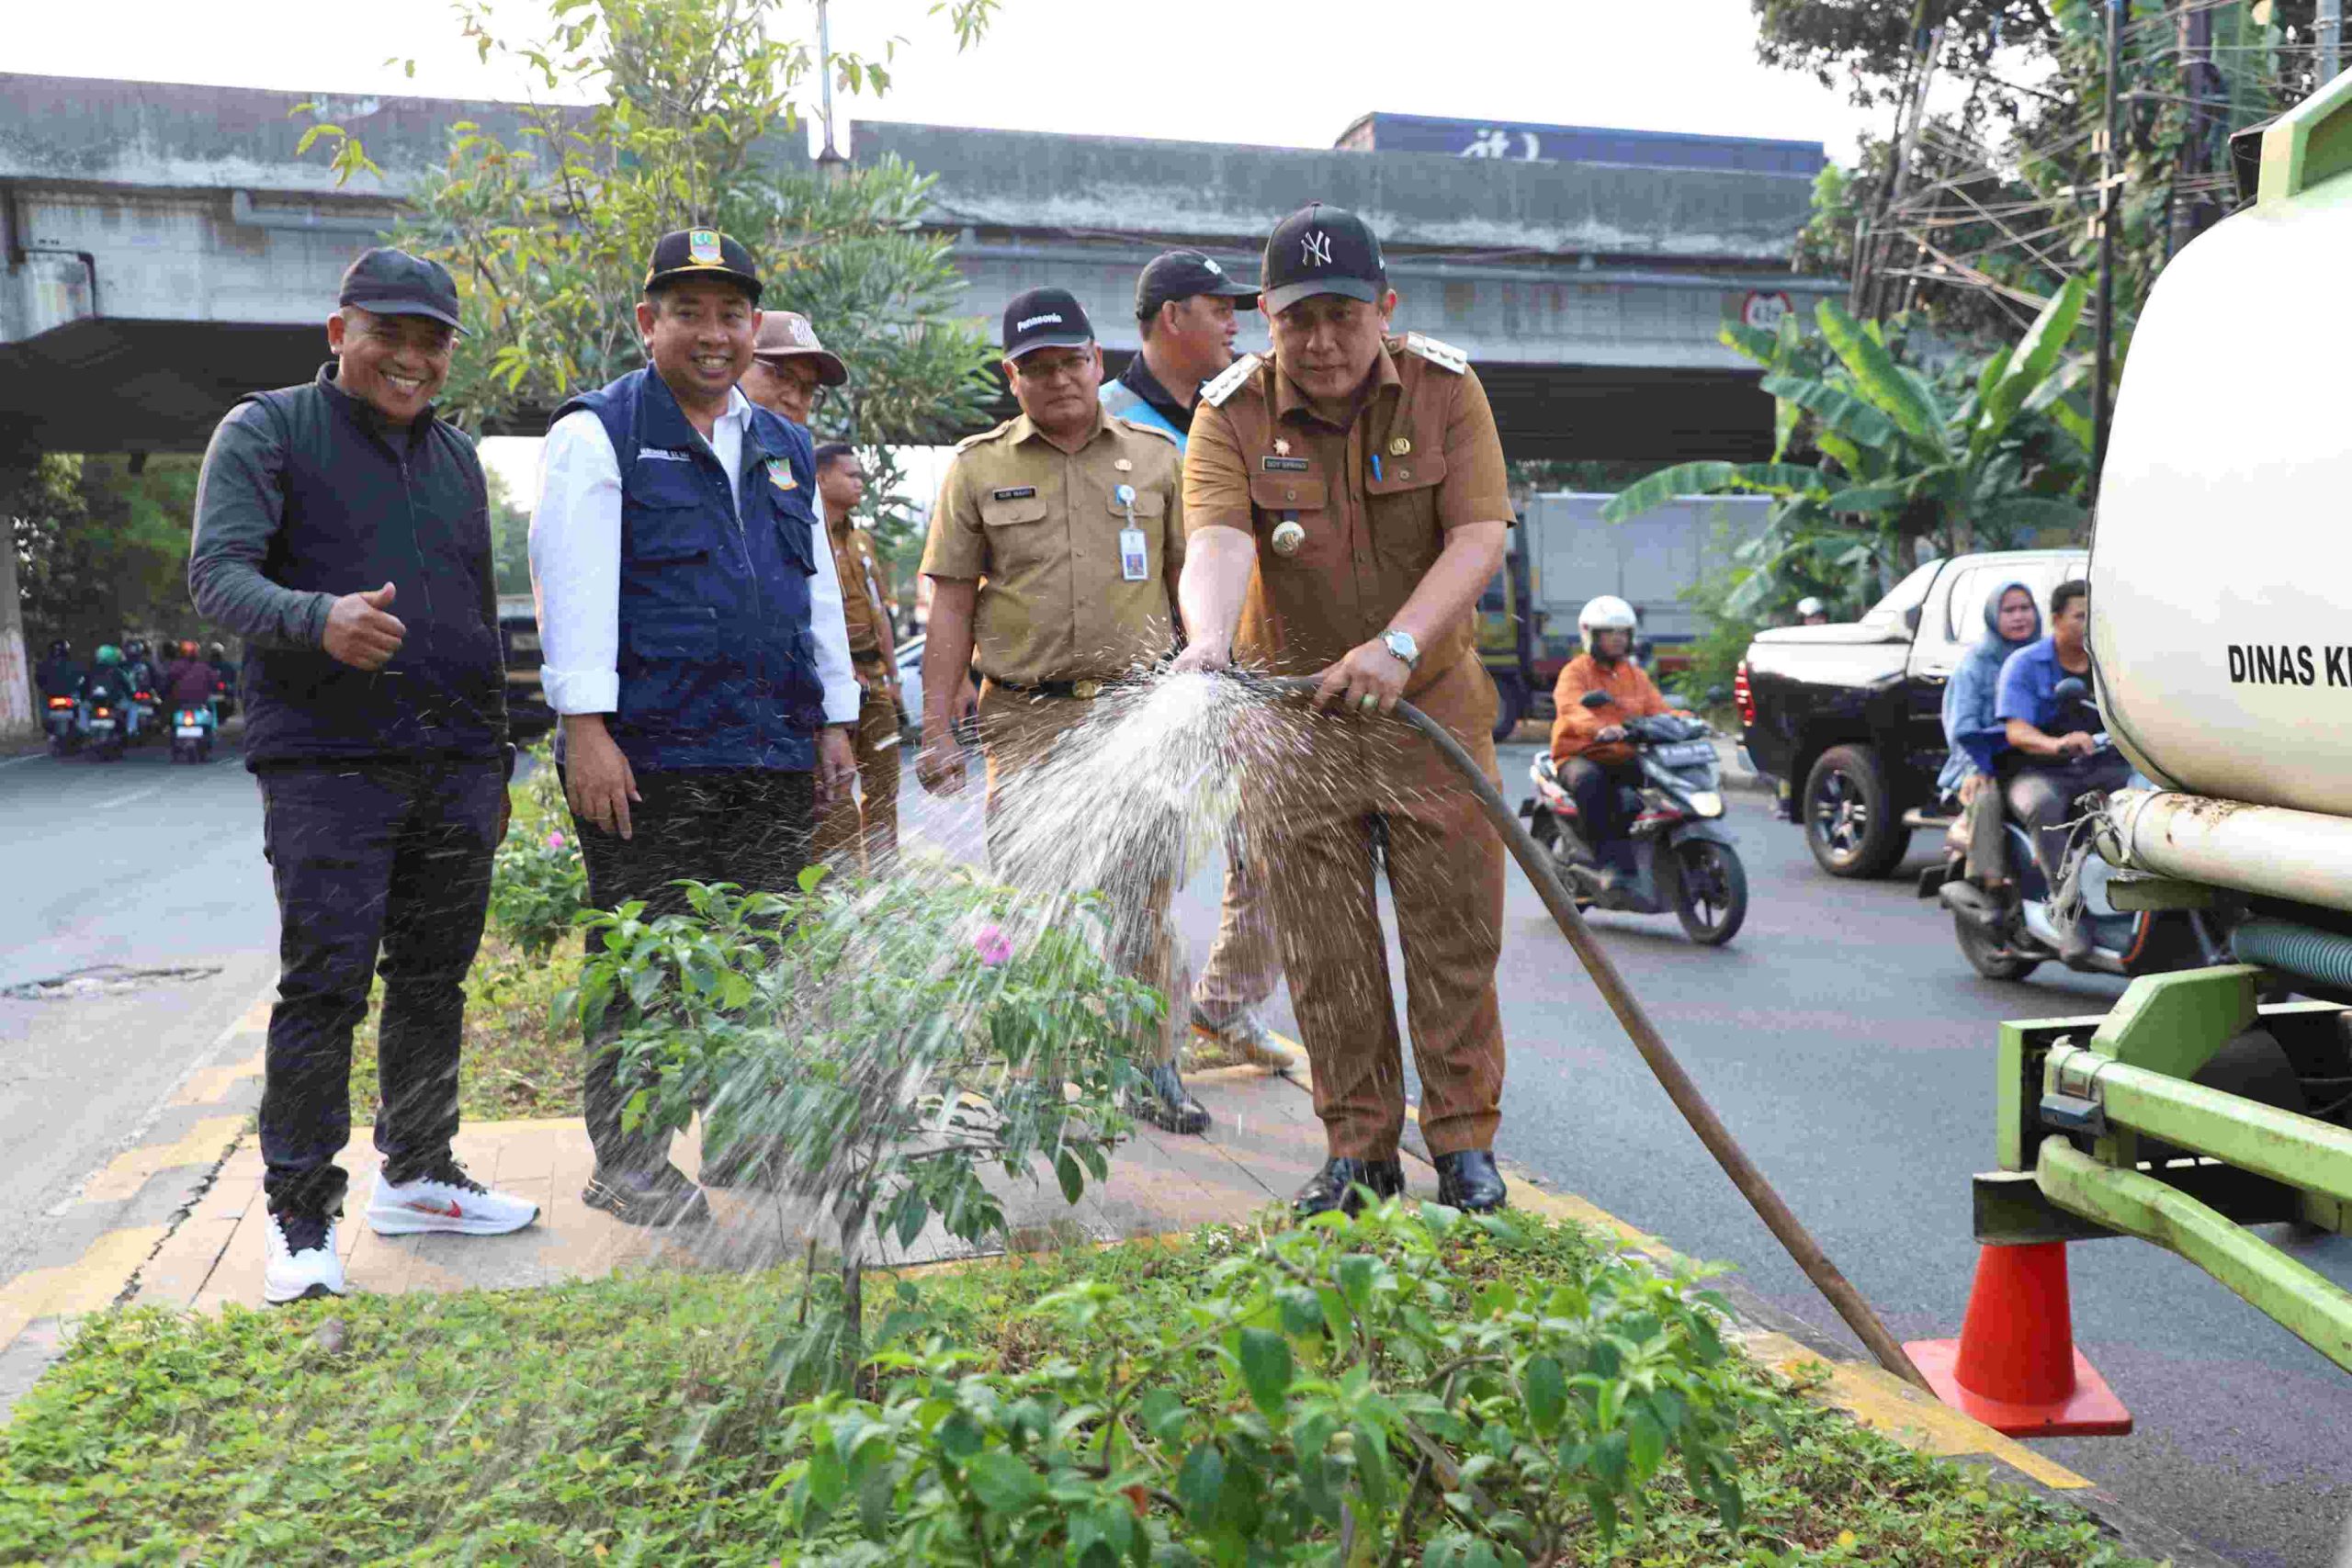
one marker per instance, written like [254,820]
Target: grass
[636,1420]
[517,1060]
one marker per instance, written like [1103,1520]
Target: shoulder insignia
[1141,428]
[989,434]
[1445,355]
[1226,383]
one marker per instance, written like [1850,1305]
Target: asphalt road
[115,869]
[1841,1037]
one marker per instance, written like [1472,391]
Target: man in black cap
[380,742]
[1185,310]
[1053,552]
[691,628]
[1347,504]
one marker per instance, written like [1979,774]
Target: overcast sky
[1280,75]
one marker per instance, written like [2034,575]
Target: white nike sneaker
[300,1261]
[444,1199]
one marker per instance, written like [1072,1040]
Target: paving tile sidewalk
[1265,1142]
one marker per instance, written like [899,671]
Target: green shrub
[1338,1393]
[538,885]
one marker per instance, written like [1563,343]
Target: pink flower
[993,946]
[555,840]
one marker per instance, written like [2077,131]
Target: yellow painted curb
[86,1285]
[208,1086]
[128,1171]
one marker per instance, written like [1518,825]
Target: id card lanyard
[1134,558]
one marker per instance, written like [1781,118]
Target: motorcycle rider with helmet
[59,673]
[108,684]
[216,653]
[1812,612]
[188,681]
[1590,746]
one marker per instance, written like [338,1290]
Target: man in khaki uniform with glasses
[1054,553]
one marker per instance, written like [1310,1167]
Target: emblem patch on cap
[801,333]
[702,247]
[1315,250]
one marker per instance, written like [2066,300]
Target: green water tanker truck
[2221,637]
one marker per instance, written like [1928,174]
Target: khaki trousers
[1019,731]
[862,833]
[1245,966]
[1379,792]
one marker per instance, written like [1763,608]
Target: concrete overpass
[165,250]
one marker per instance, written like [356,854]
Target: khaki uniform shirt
[1259,456]
[861,605]
[1039,528]
[1263,455]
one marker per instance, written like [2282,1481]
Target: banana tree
[1905,464]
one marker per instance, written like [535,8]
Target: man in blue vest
[1186,312]
[693,642]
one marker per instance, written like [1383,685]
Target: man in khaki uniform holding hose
[1346,502]
[1054,554]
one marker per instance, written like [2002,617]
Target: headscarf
[1975,736]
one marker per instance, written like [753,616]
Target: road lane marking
[127,799]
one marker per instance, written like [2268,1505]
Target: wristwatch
[1401,644]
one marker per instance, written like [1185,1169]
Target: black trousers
[370,859]
[1593,786]
[751,827]
[2043,797]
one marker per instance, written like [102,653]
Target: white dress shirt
[576,568]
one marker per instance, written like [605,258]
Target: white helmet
[1810,607]
[1606,614]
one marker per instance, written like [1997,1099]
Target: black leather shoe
[1469,1181]
[661,1196]
[1334,1186]
[1164,1101]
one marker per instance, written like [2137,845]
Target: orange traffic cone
[2015,1367]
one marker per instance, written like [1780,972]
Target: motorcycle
[62,718]
[1683,858]
[108,725]
[149,713]
[192,731]
[2010,939]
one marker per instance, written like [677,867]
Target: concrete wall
[1414,201]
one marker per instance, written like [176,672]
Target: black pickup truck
[1848,720]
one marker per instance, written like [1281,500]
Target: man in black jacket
[380,742]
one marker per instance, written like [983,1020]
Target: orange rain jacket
[1573,730]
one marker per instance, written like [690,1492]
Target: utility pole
[16,720]
[2106,213]
[2331,40]
[829,161]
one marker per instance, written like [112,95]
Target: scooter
[192,731]
[108,724]
[62,717]
[149,713]
[2008,939]
[1683,858]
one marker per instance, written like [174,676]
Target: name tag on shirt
[1017,492]
[1135,556]
[661,454]
[1285,465]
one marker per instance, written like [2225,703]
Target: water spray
[1680,1087]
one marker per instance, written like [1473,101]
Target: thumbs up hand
[362,631]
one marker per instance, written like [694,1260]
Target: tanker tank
[2221,567]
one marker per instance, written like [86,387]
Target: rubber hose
[2298,949]
[1761,1196]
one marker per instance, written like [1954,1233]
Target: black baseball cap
[1181,274]
[1322,250]
[1044,318]
[702,253]
[388,282]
